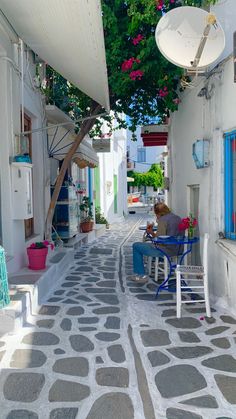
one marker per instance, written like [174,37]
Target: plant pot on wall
[86,226]
[37,258]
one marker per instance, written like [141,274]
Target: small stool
[161,265]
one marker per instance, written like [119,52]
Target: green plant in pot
[86,215]
[99,217]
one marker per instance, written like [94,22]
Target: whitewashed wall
[110,164]
[10,105]
[199,118]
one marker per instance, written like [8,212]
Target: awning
[155,139]
[59,140]
[154,135]
[68,35]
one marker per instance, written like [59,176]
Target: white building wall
[13,233]
[199,118]
[110,164]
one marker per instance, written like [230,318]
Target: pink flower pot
[37,258]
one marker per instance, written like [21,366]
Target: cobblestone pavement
[103,348]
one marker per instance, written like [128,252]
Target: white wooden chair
[193,280]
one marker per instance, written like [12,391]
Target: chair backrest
[205,252]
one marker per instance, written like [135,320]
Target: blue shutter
[230,185]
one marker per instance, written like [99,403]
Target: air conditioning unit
[200,153]
[22,190]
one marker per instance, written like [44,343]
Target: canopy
[59,143]
[61,138]
[68,35]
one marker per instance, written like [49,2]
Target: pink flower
[176,101]
[163,92]
[138,38]
[33,246]
[128,64]
[188,222]
[136,75]
[160,4]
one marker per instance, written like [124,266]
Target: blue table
[175,240]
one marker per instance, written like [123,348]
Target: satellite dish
[190,37]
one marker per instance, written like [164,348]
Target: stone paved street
[103,348]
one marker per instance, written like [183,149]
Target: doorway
[26,148]
[193,204]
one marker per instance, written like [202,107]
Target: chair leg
[178,295]
[149,265]
[165,267]
[156,269]
[207,299]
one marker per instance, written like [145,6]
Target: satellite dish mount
[190,38]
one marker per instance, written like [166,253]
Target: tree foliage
[153,177]
[142,83]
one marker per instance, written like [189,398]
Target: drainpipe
[22,84]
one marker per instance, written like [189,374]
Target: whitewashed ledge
[228,246]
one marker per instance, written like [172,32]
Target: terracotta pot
[86,226]
[37,258]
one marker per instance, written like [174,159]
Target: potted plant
[37,254]
[99,218]
[86,219]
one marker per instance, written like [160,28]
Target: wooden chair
[193,280]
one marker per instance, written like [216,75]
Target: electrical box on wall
[200,153]
[22,191]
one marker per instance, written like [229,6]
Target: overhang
[154,135]
[102,145]
[68,35]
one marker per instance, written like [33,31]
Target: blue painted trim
[228,183]
[226,134]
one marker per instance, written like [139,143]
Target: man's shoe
[139,279]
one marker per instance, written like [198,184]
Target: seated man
[168,224]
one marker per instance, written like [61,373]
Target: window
[230,185]
[141,155]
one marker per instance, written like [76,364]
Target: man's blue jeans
[143,249]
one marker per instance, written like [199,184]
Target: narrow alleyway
[103,348]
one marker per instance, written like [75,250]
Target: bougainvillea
[129,31]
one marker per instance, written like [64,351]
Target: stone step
[28,289]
